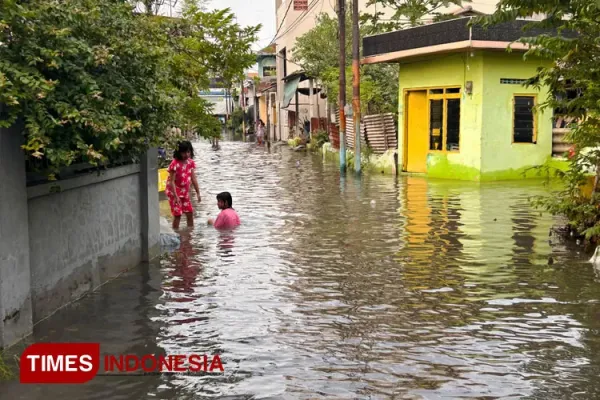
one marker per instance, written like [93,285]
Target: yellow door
[417,145]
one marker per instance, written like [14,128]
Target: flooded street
[347,288]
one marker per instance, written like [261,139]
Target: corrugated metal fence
[381,132]
[559,131]
[378,132]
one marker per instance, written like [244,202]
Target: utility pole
[342,95]
[356,85]
[268,101]
[255,100]
[243,107]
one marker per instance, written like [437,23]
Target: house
[267,88]
[220,97]
[295,18]
[464,111]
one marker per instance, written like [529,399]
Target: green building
[464,111]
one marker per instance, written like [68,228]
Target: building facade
[465,111]
[295,18]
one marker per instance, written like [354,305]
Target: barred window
[524,119]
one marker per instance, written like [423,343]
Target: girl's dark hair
[182,147]
[226,198]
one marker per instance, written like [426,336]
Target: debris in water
[297,164]
[550,260]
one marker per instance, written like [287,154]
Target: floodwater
[346,288]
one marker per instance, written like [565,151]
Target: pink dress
[183,179]
[227,219]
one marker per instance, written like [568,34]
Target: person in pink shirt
[227,218]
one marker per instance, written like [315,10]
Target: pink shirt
[227,219]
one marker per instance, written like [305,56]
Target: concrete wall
[60,240]
[81,237]
[15,296]
[266,62]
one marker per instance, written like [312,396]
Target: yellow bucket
[163,174]
[586,188]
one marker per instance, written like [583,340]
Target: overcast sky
[252,12]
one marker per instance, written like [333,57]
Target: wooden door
[417,145]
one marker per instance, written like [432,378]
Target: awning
[298,74]
[306,91]
[289,90]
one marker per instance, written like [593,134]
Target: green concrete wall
[449,70]
[500,157]
[486,148]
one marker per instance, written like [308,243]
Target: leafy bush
[95,82]
[321,137]
[571,51]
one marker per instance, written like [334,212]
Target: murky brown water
[346,288]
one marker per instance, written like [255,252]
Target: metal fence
[378,132]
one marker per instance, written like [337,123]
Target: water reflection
[356,287]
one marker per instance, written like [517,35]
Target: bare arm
[196,186]
[173,188]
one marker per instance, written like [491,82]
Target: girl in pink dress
[181,175]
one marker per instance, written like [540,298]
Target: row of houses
[464,110]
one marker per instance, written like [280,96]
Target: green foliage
[6,372]
[407,13]
[318,49]
[318,53]
[236,119]
[320,137]
[94,82]
[196,117]
[77,74]
[571,52]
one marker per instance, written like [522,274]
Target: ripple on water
[337,287]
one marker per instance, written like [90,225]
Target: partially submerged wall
[435,72]
[487,151]
[15,296]
[60,240]
[82,236]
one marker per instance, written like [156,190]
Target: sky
[252,12]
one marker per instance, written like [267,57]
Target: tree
[571,46]
[203,45]
[317,51]
[95,82]
[407,13]
[81,77]
[154,7]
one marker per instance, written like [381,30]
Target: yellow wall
[450,70]
[498,151]
[486,122]
[262,108]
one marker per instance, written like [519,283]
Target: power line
[295,23]
[285,59]
[282,21]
